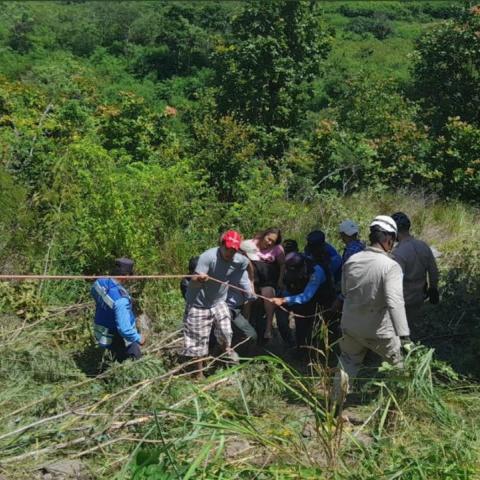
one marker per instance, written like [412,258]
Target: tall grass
[264,418]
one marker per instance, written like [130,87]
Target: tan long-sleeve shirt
[373,291]
[417,261]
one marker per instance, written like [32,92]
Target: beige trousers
[353,351]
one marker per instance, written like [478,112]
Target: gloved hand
[433,296]
[406,342]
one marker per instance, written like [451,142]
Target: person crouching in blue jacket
[115,327]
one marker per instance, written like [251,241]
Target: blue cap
[317,237]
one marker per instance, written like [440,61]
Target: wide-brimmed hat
[250,249]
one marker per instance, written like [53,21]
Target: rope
[20,278]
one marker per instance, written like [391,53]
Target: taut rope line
[21,278]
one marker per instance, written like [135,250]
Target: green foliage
[130,130]
[225,151]
[395,10]
[126,213]
[376,109]
[19,35]
[446,72]
[14,216]
[341,160]
[457,157]
[379,27]
[263,73]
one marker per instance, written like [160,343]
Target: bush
[446,71]
[457,156]
[379,27]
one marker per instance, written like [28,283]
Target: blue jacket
[113,313]
[317,279]
[335,261]
[351,248]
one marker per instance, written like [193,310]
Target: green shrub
[379,27]
[457,157]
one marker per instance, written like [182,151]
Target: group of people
[370,297]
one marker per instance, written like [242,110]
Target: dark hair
[402,221]
[377,235]
[290,245]
[320,256]
[266,232]
[122,266]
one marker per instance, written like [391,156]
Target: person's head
[230,244]
[348,231]
[316,246]
[402,221]
[122,267]
[269,238]
[383,232]
[289,246]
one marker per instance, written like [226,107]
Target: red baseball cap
[232,239]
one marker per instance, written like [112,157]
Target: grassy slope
[262,418]
[266,412]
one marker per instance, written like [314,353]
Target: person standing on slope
[206,299]
[420,272]
[373,316]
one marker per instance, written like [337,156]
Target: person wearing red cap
[206,299]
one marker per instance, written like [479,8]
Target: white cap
[348,227]
[250,249]
[386,223]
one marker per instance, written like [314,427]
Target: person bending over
[114,326]
[205,298]
[309,291]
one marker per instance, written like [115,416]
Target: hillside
[144,129]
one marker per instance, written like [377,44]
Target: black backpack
[296,275]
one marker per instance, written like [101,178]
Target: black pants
[303,326]
[121,352]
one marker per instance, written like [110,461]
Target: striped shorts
[197,325]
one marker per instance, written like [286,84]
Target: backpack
[297,272]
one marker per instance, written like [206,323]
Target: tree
[389,122]
[264,71]
[224,150]
[18,38]
[446,71]
[457,156]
